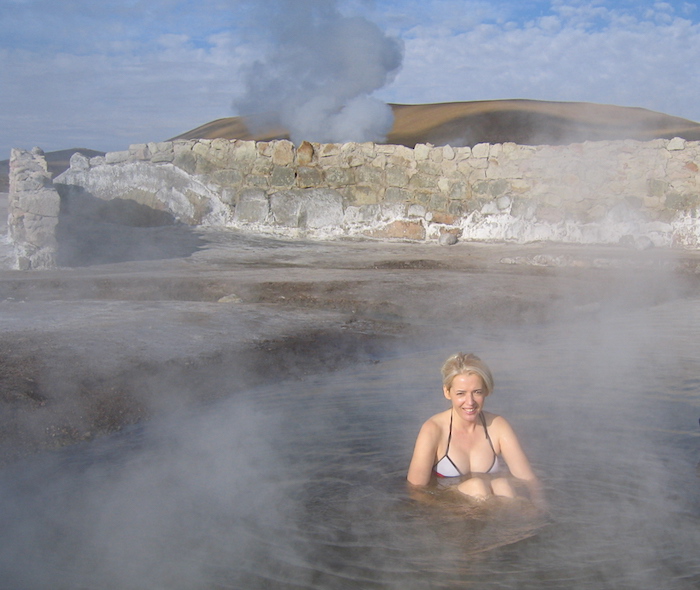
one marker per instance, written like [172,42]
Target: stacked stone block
[33,209]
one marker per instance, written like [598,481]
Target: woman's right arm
[424,453]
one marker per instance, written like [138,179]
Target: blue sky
[81,73]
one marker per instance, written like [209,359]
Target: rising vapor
[317,71]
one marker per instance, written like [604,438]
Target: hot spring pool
[301,484]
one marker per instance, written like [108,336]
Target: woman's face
[467,394]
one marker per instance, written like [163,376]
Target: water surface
[300,484]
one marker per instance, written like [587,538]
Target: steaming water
[301,484]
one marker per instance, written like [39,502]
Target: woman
[466,442]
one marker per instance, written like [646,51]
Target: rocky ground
[182,316]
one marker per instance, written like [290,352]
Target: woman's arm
[421,468]
[517,461]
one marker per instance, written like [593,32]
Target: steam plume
[317,73]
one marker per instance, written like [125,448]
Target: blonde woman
[469,444]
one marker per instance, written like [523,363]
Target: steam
[158,507]
[301,484]
[317,73]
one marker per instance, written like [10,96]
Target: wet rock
[447,239]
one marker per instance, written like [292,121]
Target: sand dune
[528,122]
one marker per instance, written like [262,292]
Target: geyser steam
[317,73]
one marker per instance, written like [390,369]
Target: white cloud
[583,53]
[104,75]
[108,102]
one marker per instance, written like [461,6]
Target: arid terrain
[527,122]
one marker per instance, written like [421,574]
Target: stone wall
[595,192]
[33,209]
[638,193]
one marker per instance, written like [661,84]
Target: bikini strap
[486,431]
[449,436]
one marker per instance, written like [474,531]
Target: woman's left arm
[517,461]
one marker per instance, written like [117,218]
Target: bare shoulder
[435,425]
[497,424]
[492,419]
[506,443]
[425,450]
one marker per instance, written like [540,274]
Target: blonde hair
[466,364]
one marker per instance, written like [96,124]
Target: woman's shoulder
[496,423]
[438,422]
[431,432]
[494,420]
[441,417]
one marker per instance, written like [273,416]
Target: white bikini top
[445,467]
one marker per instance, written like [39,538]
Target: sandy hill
[528,122]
